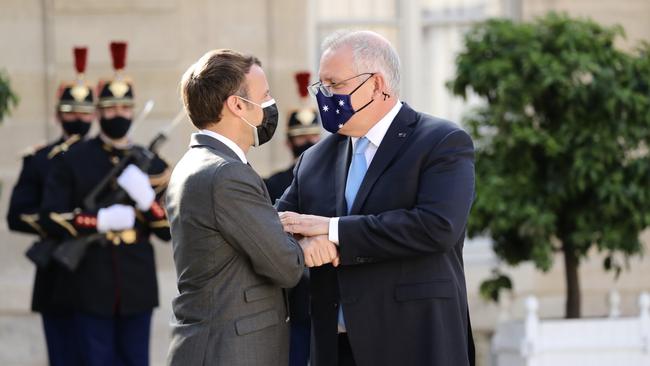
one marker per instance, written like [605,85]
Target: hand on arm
[306,225]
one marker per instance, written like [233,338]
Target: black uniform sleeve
[23,213]
[57,214]
[156,217]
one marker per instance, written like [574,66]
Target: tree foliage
[8,99]
[562,139]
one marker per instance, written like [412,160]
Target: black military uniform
[24,207]
[302,122]
[112,278]
[115,286]
[23,216]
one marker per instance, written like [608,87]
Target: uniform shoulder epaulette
[32,150]
[64,146]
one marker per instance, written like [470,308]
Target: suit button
[336,304]
[363,259]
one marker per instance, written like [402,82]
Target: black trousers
[345,351]
[62,349]
[116,340]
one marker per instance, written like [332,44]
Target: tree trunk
[571,264]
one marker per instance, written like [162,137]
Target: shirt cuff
[333,234]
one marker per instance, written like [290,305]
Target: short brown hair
[207,84]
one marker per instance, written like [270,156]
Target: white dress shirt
[228,142]
[375,135]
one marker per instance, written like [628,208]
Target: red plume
[80,57]
[303,82]
[118,52]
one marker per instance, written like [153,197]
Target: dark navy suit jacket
[401,278]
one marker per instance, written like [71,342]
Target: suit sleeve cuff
[333,234]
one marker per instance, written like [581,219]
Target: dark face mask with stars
[336,110]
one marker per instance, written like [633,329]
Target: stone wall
[165,37]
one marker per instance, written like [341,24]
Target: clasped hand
[314,241]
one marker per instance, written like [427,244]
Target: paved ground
[21,337]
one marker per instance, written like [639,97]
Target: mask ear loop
[357,88]
[360,85]
[386,96]
[365,105]
[256,137]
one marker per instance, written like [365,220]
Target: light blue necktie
[357,171]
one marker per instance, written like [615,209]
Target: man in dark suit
[392,189]
[231,254]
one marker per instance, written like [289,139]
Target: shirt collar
[378,131]
[228,142]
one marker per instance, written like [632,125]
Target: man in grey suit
[232,256]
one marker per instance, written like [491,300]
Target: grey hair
[371,53]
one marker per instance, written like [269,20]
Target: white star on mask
[341,103]
[326,108]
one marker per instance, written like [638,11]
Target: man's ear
[234,105]
[379,84]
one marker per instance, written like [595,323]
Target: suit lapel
[342,154]
[397,134]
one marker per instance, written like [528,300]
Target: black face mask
[264,132]
[116,127]
[76,127]
[299,149]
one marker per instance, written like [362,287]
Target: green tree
[8,99]
[562,142]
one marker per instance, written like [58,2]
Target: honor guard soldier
[303,132]
[97,202]
[75,112]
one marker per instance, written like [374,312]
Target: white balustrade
[614,340]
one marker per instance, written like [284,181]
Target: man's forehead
[256,80]
[255,75]
[335,64]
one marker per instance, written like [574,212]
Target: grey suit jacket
[232,260]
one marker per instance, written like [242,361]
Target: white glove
[136,183]
[116,217]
